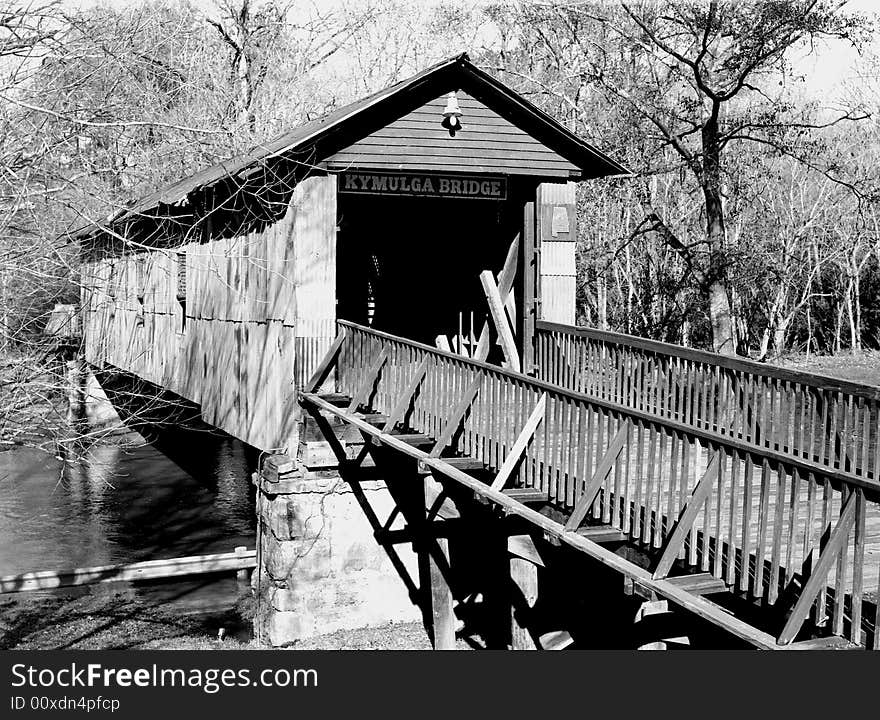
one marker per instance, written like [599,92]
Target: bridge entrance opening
[411,266]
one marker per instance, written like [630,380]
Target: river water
[189,493]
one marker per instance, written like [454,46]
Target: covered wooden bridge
[383,302]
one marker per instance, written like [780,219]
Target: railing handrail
[709,436]
[730,362]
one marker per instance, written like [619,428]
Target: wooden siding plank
[487,142]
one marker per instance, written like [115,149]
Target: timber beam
[327,363]
[499,317]
[512,460]
[817,581]
[605,464]
[687,516]
[406,397]
[457,416]
[366,389]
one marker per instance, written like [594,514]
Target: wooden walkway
[721,513]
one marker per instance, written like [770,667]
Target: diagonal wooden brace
[406,398]
[328,362]
[519,446]
[505,292]
[819,575]
[687,516]
[499,317]
[604,467]
[458,413]
[364,392]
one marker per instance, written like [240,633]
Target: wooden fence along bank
[383,301]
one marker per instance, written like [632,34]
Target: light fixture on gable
[451,114]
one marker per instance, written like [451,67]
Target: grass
[861,367]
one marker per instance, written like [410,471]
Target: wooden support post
[519,446]
[442,613]
[604,467]
[242,575]
[524,590]
[529,289]
[364,392]
[830,552]
[687,516]
[502,325]
[441,601]
[77,377]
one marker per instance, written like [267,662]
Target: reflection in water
[120,504]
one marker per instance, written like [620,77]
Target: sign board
[559,223]
[477,187]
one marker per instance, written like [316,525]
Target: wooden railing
[696,489]
[829,421]
[240,561]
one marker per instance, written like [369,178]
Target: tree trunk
[723,330]
[602,301]
[723,340]
[851,316]
[779,337]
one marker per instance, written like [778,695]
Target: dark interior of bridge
[415,263]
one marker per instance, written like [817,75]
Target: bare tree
[702,78]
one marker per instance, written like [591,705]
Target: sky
[838,65]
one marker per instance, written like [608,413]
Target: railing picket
[748,479]
[581,450]
[840,575]
[827,500]
[671,510]
[730,576]
[658,505]
[601,421]
[635,529]
[858,568]
[793,514]
[652,490]
[778,528]
[707,517]
[763,521]
[720,494]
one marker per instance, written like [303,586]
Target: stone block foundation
[320,567]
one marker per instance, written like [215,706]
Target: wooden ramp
[734,530]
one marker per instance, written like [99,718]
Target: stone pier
[320,567]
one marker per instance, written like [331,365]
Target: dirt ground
[117,620]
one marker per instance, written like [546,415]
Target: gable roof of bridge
[356,120]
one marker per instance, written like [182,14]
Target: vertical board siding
[259,313]
[556,236]
[314,271]
[487,142]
